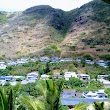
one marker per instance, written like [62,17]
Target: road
[74,101]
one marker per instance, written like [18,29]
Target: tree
[107,1]
[72,82]
[88,57]
[83,62]
[108,77]
[80,106]
[6,101]
[31,103]
[50,93]
[29,89]
[98,105]
[47,69]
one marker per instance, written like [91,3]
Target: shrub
[105,57]
[88,57]
[99,50]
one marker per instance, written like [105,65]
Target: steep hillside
[39,29]
[90,30]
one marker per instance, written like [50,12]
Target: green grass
[55,34]
[3,18]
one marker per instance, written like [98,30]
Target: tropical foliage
[6,101]
[107,1]
[50,93]
[31,103]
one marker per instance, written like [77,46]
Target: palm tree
[30,103]
[98,105]
[81,106]
[49,96]
[50,93]
[6,101]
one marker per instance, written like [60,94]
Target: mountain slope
[82,30]
[90,30]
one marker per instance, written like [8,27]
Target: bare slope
[83,30]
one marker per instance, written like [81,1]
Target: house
[18,77]
[22,61]
[33,59]
[44,77]
[2,81]
[24,82]
[11,63]
[89,62]
[44,59]
[102,63]
[2,65]
[6,78]
[57,76]
[95,95]
[105,82]
[78,60]
[66,60]
[55,59]
[84,77]
[68,75]
[102,76]
[13,83]
[32,75]
[28,81]
[69,93]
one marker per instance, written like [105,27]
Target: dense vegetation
[42,95]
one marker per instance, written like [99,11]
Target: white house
[105,82]
[102,63]
[32,75]
[95,95]
[24,82]
[84,77]
[89,62]
[22,61]
[2,65]
[13,83]
[68,75]
[11,63]
[2,82]
[44,77]
[102,76]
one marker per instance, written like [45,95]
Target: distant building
[66,60]
[11,63]
[44,59]
[32,75]
[2,65]
[2,81]
[105,82]
[102,76]
[44,77]
[55,59]
[18,77]
[89,62]
[57,76]
[6,78]
[68,75]
[84,77]
[22,61]
[102,63]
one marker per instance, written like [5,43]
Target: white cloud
[20,5]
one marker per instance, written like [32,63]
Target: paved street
[74,101]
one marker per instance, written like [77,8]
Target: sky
[20,5]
